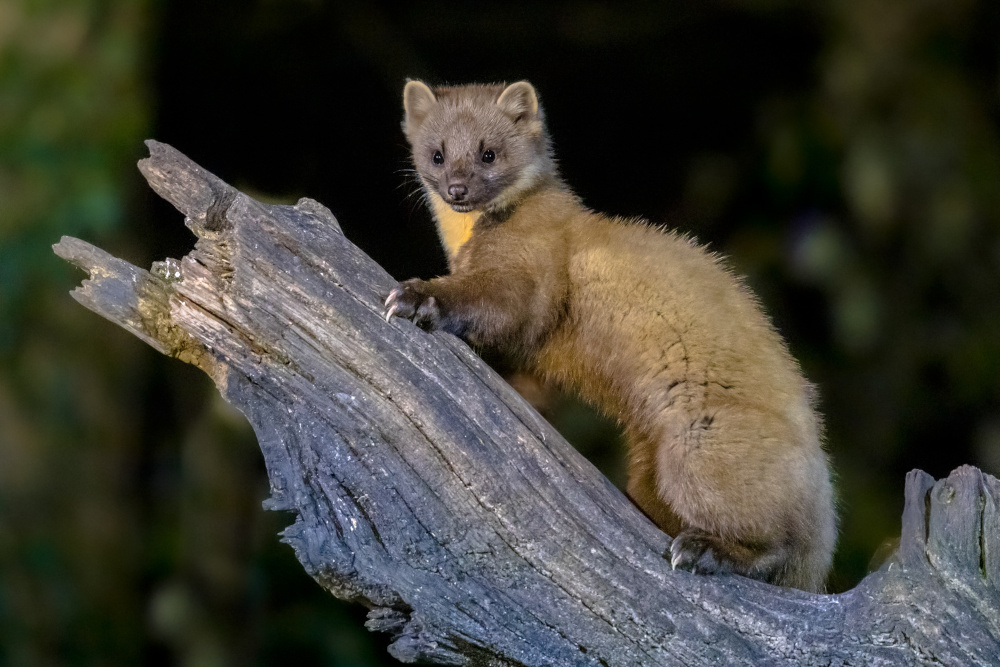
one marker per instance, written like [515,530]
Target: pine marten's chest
[454,228]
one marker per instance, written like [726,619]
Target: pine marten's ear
[519,101]
[418,100]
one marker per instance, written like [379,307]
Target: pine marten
[724,443]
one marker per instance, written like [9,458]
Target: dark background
[844,155]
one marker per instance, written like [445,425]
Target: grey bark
[428,490]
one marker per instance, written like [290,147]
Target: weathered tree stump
[426,489]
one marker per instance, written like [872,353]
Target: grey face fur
[476,151]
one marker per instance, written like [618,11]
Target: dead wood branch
[426,489]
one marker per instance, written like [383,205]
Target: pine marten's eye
[438,158]
[489,156]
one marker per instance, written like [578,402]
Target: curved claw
[685,551]
[390,302]
[678,558]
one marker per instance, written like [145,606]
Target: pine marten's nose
[458,191]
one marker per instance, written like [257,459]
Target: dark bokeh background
[844,155]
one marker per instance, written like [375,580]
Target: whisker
[416,195]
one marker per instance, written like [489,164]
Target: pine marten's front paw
[411,300]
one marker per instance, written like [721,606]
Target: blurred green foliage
[72,105]
[862,204]
[897,149]
[123,539]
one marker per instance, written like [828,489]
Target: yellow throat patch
[454,228]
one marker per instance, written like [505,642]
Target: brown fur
[724,444]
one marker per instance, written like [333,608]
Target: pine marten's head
[477,147]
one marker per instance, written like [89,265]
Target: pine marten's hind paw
[411,300]
[702,552]
[696,551]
